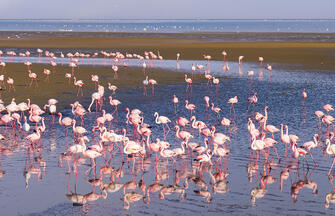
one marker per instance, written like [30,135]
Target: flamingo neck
[156,120]
[193,123]
[74,124]
[177,132]
[60,118]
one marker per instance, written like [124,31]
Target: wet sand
[310,51]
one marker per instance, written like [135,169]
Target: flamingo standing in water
[112,87]
[188,82]
[153,83]
[115,103]
[95,97]
[240,58]
[304,94]
[68,76]
[67,122]
[206,99]
[47,73]
[233,101]
[260,59]
[189,107]
[217,110]
[175,103]
[331,151]
[164,121]
[80,84]
[252,100]
[10,82]
[33,76]
[145,84]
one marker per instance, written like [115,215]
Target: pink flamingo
[68,76]
[78,129]
[184,135]
[164,121]
[224,53]
[331,151]
[153,83]
[10,82]
[226,123]
[80,84]
[182,121]
[240,58]
[270,128]
[206,99]
[100,121]
[188,83]
[189,107]
[252,100]
[47,73]
[304,94]
[217,110]
[67,122]
[33,76]
[175,103]
[34,137]
[312,144]
[260,59]
[233,101]
[112,87]
[95,97]
[3,64]
[95,79]
[216,82]
[145,84]
[328,108]
[115,103]
[284,137]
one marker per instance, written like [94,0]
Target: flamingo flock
[205,144]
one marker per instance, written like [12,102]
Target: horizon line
[160,19]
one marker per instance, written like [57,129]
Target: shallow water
[279,89]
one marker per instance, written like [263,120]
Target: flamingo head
[176,127]
[266,108]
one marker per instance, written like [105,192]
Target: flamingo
[331,151]
[175,103]
[217,110]
[114,102]
[202,149]
[240,58]
[153,83]
[233,101]
[145,84]
[284,137]
[67,122]
[206,99]
[260,59]
[68,76]
[78,130]
[34,137]
[184,135]
[252,100]
[10,82]
[328,108]
[182,121]
[80,84]
[95,79]
[312,144]
[164,121]
[304,94]
[188,83]
[189,107]
[47,73]
[112,87]
[95,97]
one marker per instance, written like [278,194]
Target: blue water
[170,26]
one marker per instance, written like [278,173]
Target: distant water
[171,26]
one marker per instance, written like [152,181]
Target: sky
[167,9]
